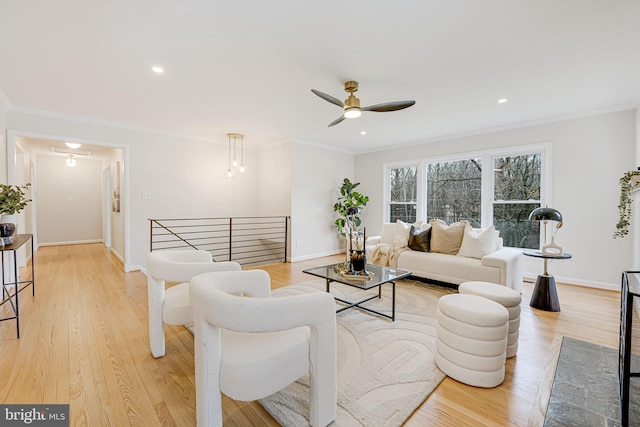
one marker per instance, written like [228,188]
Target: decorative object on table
[13,200]
[349,223]
[545,215]
[628,182]
[357,244]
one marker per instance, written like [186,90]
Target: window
[454,191]
[516,187]
[403,194]
[511,185]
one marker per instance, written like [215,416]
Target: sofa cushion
[447,268]
[446,239]
[419,240]
[478,243]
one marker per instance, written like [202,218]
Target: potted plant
[13,200]
[628,182]
[348,207]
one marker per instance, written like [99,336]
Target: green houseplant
[13,199]
[348,206]
[349,198]
[627,184]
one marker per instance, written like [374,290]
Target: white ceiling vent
[65,150]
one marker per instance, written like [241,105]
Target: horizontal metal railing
[246,240]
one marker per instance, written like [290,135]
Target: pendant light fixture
[71,162]
[235,163]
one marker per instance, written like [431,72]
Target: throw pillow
[478,243]
[399,229]
[419,239]
[446,239]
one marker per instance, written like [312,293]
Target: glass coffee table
[380,276]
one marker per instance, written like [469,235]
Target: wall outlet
[298,243]
[146,195]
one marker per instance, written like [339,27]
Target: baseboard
[117,255]
[318,255]
[577,282]
[74,242]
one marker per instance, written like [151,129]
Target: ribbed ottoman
[509,299]
[471,339]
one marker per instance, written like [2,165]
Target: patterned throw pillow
[446,239]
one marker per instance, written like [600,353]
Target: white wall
[3,137]
[588,157]
[274,184]
[69,200]
[317,175]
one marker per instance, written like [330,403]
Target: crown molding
[106,123]
[508,126]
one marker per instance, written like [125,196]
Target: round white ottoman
[509,299]
[471,339]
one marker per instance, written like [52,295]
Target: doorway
[28,148]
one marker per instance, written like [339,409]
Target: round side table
[545,296]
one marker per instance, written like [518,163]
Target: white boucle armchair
[172,305]
[253,346]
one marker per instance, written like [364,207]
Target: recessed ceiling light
[502,100]
[363,132]
[72,145]
[158,70]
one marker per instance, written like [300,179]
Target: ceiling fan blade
[329,98]
[389,106]
[336,121]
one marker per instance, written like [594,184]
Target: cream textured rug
[385,369]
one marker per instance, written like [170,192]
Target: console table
[12,286]
[628,351]
[545,295]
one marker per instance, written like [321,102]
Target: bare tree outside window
[403,187]
[516,193]
[454,191]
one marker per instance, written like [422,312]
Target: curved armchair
[172,305]
[251,347]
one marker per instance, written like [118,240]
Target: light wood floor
[84,342]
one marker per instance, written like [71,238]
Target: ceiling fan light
[352,112]
[72,145]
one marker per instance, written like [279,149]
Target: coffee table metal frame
[381,275]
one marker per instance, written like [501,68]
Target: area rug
[385,369]
[585,387]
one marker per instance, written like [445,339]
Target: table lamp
[545,215]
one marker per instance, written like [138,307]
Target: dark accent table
[381,275]
[11,288]
[628,359]
[545,296]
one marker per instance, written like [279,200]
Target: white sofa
[502,265]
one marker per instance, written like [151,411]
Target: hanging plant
[627,184]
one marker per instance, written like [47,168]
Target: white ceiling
[248,66]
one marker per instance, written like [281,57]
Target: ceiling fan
[351,105]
